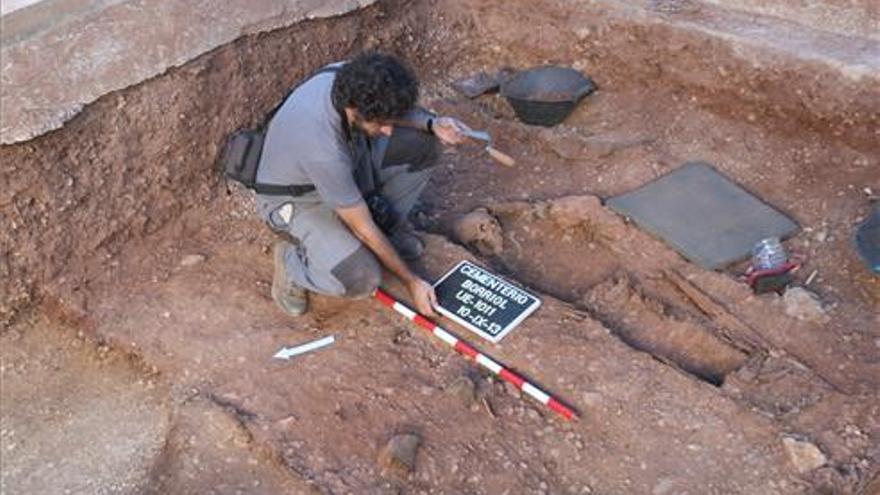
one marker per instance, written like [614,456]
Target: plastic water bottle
[768,254]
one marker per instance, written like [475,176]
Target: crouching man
[358,153]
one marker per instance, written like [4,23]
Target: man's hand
[423,296]
[449,130]
[361,223]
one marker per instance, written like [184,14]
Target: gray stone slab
[847,17]
[704,216]
[60,55]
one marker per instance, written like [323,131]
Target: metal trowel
[498,156]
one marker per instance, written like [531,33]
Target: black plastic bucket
[546,95]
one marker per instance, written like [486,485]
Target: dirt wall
[738,65]
[137,158]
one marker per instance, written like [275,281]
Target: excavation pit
[120,228]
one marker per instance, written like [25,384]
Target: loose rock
[803,455]
[475,85]
[481,231]
[804,305]
[579,211]
[464,390]
[398,458]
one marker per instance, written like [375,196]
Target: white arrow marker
[289,352]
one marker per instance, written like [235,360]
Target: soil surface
[76,417]
[140,330]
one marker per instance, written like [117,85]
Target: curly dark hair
[378,85]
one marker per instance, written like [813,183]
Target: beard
[368,128]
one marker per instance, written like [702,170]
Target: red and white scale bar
[467,350]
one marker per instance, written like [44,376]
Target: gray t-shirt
[305,145]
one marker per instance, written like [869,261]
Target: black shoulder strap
[279,190]
[294,189]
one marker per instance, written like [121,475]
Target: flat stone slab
[704,216]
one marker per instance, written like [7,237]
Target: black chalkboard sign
[483,302]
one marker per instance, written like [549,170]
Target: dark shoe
[407,244]
[420,216]
[292,298]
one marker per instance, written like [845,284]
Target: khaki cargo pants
[328,258]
